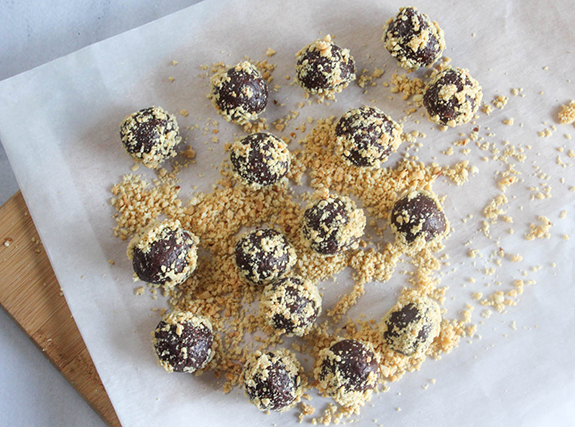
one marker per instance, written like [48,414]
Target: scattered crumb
[500,101]
[539,231]
[567,113]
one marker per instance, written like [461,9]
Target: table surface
[33,392]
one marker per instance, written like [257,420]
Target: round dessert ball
[240,93]
[273,380]
[324,68]
[260,159]
[164,253]
[291,305]
[150,135]
[263,256]
[411,325]
[418,214]
[347,371]
[413,39]
[332,225]
[452,97]
[366,136]
[183,342]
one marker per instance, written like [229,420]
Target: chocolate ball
[452,97]
[412,325]
[263,256]
[413,39]
[347,371]
[260,159]
[324,68]
[239,94]
[366,136]
[163,253]
[150,135]
[418,214]
[291,305]
[332,225]
[273,380]
[183,342]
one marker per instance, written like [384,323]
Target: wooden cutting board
[31,294]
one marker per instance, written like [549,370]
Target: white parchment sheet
[59,125]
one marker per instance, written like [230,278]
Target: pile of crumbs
[217,291]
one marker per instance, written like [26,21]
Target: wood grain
[31,294]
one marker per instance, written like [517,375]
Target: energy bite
[332,224]
[324,68]
[240,93]
[418,216]
[411,325]
[260,159]
[263,256]
[150,136]
[273,380]
[291,305]
[413,39]
[366,136]
[183,342]
[347,371]
[452,97]
[164,253]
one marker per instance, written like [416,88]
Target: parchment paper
[59,125]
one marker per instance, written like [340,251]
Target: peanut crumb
[567,113]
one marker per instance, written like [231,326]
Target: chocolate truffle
[183,342]
[291,305]
[163,253]
[413,39]
[273,380]
[411,325]
[239,93]
[263,256]
[324,68]
[452,97]
[418,214]
[150,135]
[366,136]
[347,371]
[260,159]
[332,225]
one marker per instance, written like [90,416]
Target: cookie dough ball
[413,39]
[291,305]
[263,256]
[260,159]
[418,214]
[366,136]
[324,68]
[274,380]
[332,225]
[347,371]
[164,253]
[184,342]
[452,97]
[411,325]
[150,135]
[239,94]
